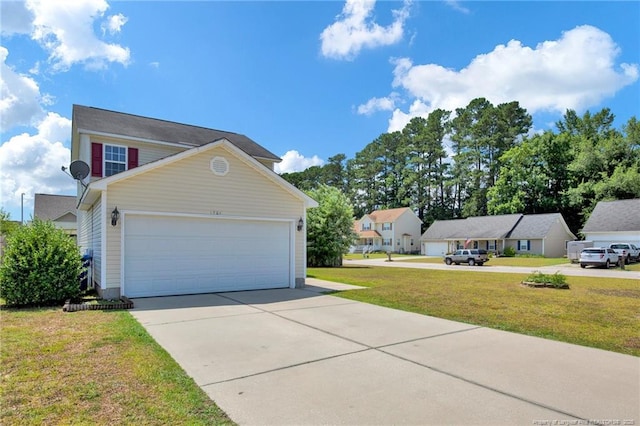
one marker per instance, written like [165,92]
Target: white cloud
[114,23]
[576,71]
[293,161]
[14,18]
[20,97]
[399,119]
[378,104]
[31,163]
[65,29]
[455,4]
[355,29]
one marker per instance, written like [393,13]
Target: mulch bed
[540,285]
[102,305]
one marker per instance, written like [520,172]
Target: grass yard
[533,262]
[92,367]
[597,312]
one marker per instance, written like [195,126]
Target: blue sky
[307,80]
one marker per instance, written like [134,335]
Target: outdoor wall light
[300,224]
[115,215]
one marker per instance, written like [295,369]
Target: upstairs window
[366,226]
[115,159]
[386,226]
[107,160]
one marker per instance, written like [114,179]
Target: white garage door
[176,255]
[435,249]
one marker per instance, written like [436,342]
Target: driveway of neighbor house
[300,357]
[572,269]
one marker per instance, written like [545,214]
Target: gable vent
[219,166]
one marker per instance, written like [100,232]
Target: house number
[216,212]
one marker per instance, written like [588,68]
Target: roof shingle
[52,207]
[485,227]
[135,126]
[614,216]
[388,215]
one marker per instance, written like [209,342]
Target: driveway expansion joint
[381,350]
[203,318]
[417,339]
[286,367]
[487,387]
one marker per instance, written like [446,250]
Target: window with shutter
[132,161]
[115,159]
[96,159]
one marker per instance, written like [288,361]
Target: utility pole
[22,209]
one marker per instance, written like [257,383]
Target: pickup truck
[469,256]
[627,251]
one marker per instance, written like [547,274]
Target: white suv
[598,256]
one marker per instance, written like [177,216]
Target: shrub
[509,252]
[556,280]
[41,265]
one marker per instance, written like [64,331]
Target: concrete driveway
[298,357]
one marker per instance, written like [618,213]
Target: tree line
[484,160]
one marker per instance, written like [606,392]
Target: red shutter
[133,158]
[96,159]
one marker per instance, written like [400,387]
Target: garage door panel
[436,248]
[178,255]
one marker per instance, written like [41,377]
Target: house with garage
[391,230]
[59,209]
[170,208]
[539,234]
[614,222]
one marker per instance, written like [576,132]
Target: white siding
[189,186]
[97,242]
[407,223]
[603,239]
[90,237]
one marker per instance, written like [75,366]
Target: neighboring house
[172,209]
[394,230]
[59,209]
[542,234]
[614,222]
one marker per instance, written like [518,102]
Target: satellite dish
[79,169]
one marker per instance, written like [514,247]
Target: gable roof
[514,226]
[119,124]
[96,187]
[614,216]
[489,227]
[389,215]
[54,207]
[534,226]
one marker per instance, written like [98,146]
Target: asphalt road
[566,269]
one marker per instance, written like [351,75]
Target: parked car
[469,256]
[628,251]
[598,256]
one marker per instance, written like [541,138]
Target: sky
[305,79]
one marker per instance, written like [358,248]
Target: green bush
[509,252]
[40,266]
[556,280]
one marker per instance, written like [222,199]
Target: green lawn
[92,367]
[597,312]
